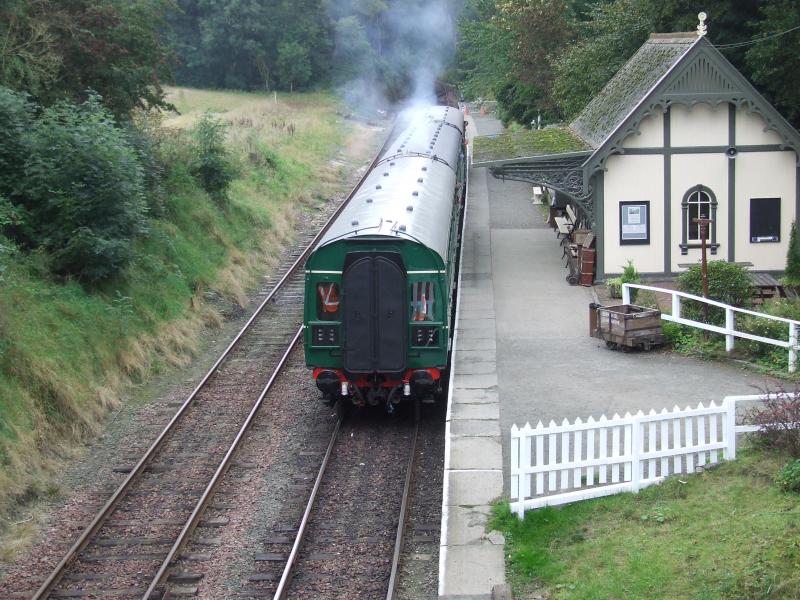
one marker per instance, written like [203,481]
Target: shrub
[788,309]
[793,258]
[779,418]
[788,478]
[16,115]
[630,275]
[213,165]
[727,282]
[146,136]
[83,191]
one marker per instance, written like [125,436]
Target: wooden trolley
[627,326]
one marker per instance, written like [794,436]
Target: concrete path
[523,354]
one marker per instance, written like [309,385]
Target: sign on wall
[634,222]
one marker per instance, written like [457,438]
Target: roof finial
[701,28]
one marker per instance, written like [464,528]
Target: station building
[677,134]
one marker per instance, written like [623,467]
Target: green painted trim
[599,235]
[736,90]
[731,185]
[667,191]
[705,149]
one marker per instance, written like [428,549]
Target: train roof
[409,194]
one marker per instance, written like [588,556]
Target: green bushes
[79,188]
[788,478]
[792,273]
[727,282]
[212,166]
[82,191]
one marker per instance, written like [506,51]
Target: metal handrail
[729,330]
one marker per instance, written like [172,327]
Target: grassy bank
[725,533]
[67,353]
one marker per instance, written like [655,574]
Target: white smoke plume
[394,50]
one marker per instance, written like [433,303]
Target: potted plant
[614,286]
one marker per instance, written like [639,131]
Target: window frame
[769,239]
[711,242]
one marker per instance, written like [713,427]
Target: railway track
[349,541]
[129,546]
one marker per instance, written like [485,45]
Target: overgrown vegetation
[729,532]
[518,142]
[70,344]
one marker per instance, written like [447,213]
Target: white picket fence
[559,464]
[729,331]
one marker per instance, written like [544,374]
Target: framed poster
[634,222]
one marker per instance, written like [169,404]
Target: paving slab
[482,411]
[476,453]
[475,427]
[471,568]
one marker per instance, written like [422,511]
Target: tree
[28,60]
[59,50]
[352,55]
[292,67]
[793,257]
[238,45]
[775,62]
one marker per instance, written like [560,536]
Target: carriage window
[423,301]
[328,301]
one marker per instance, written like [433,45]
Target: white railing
[729,331]
[559,464]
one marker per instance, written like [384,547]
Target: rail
[108,508]
[729,330]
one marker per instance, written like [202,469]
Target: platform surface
[523,353]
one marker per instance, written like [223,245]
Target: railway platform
[523,353]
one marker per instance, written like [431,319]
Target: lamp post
[704,223]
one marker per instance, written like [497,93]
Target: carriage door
[373,298]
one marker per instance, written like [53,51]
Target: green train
[379,286]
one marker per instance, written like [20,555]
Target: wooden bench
[766,287]
[566,223]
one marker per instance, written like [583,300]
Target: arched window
[699,202]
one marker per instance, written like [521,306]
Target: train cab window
[423,301]
[328,301]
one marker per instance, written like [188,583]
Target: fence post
[626,293]
[676,306]
[792,347]
[637,432]
[730,428]
[730,325]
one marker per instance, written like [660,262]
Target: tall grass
[67,355]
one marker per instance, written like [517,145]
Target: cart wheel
[611,345]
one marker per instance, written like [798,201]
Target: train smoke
[390,53]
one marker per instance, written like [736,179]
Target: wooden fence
[729,331]
[559,464]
